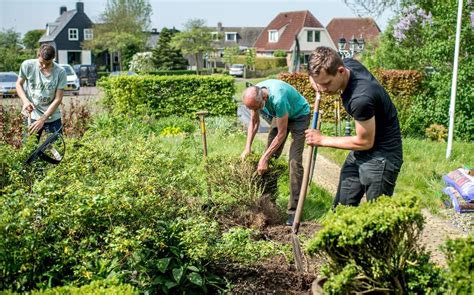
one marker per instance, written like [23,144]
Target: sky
[25,15]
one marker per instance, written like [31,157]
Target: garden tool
[201,115]
[47,150]
[304,188]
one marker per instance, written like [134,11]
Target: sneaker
[291,219]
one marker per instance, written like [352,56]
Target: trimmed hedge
[460,258]
[263,63]
[169,95]
[374,247]
[172,72]
[327,105]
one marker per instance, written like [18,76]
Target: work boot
[291,219]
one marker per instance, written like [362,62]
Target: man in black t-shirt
[376,155]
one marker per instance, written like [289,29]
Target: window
[273,36]
[231,37]
[313,36]
[73,34]
[88,35]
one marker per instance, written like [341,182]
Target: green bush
[264,63]
[375,247]
[460,258]
[169,95]
[300,82]
[172,72]
[101,287]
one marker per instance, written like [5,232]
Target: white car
[237,70]
[73,83]
[8,84]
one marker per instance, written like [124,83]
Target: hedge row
[327,105]
[401,85]
[169,95]
[264,63]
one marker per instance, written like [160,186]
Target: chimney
[80,7]
[219,27]
[62,10]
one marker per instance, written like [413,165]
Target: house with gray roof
[67,33]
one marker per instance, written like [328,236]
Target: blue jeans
[49,127]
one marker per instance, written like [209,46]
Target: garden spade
[304,188]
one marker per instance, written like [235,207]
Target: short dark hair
[47,52]
[324,58]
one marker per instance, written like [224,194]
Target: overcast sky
[26,15]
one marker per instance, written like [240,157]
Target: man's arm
[252,129]
[27,105]
[37,125]
[282,126]
[363,140]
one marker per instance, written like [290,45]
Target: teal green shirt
[284,99]
[40,89]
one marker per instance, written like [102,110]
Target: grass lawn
[424,165]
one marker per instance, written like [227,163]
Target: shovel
[304,188]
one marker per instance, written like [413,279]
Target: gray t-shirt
[41,89]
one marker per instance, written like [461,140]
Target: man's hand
[36,126]
[313,137]
[262,166]
[27,108]
[245,154]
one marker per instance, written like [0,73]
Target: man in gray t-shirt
[43,92]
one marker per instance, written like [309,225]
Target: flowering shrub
[411,16]
[141,62]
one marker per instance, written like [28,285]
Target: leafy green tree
[195,40]
[250,57]
[230,53]
[11,53]
[121,29]
[31,38]
[421,37]
[166,57]
[280,53]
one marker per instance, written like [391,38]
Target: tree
[166,57]
[11,53]
[141,63]
[121,29]
[250,57]
[230,53]
[371,7]
[195,40]
[31,39]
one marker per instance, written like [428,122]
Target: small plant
[460,259]
[437,132]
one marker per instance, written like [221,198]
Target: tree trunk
[196,56]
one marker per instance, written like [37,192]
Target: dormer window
[88,34]
[313,36]
[273,36]
[73,34]
[231,36]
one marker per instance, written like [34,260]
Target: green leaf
[178,274]
[196,279]
[193,268]
[163,264]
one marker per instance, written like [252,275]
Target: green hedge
[327,105]
[263,63]
[169,95]
[172,72]
[374,247]
[460,259]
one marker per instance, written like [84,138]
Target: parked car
[87,74]
[73,84]
[237,70]
[7,84]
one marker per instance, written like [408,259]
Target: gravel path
[437,228]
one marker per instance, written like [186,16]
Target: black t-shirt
[364,98]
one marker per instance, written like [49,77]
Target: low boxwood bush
[100,287]
[375,247]
[460,258]
[169,95]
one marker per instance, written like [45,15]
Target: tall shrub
[169,95]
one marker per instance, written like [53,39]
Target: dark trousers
[297,128]
[372,175]
[49,127]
